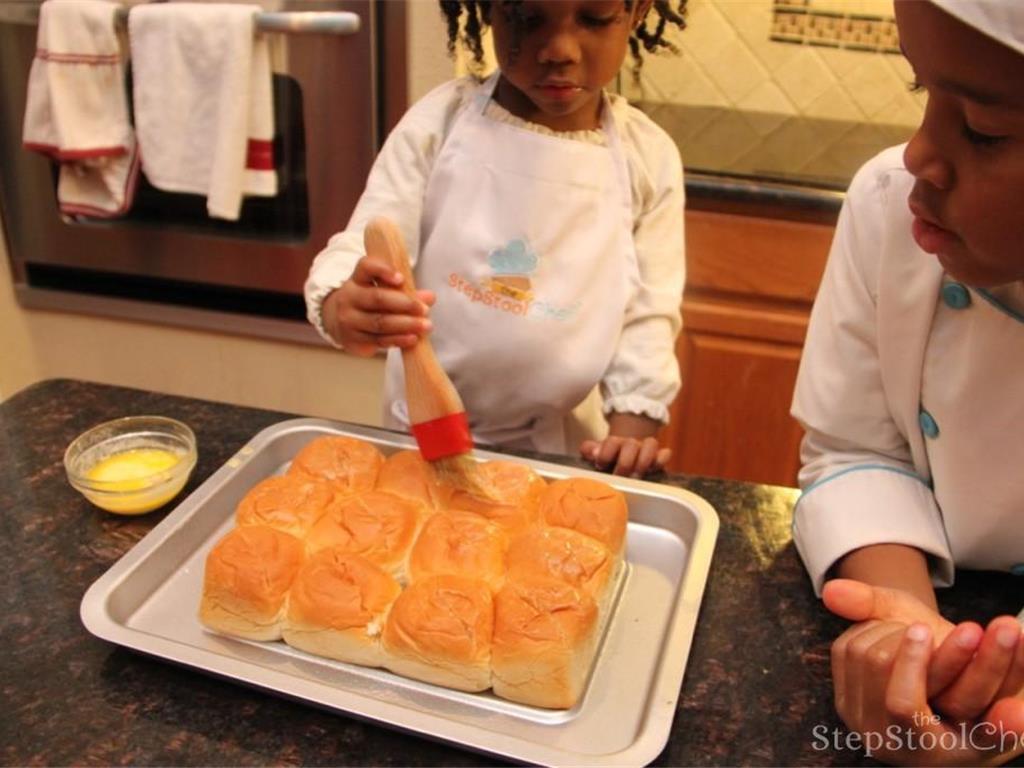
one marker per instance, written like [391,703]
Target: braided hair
[467,19]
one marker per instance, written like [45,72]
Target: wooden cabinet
[750,286]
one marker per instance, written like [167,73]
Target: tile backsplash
[793,90]
[731,55]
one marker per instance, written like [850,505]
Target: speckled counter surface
[756,684]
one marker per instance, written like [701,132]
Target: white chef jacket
[910,394]
[643,376]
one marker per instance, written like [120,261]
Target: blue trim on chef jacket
[858,468]
[999,305]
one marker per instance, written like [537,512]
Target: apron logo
[509,288]
[512,267]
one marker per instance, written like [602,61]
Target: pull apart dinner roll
[566,555]
[376,525]
[439,631]
[516,487]
[461,544]
[337,606]
[591,507]
[351,465]
[408,474]
[247,578]
[289,503]
[545,635]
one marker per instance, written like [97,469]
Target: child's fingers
[629,451]
[663,457]
[589,449]
[402,341]
[842,643]
[974,690]
[869,660]
[952,656]
[384,324]
[378,298]
[374,271]
[1013,684]
[906,696]
[857,642]
[849,599]
[607,452]
[364,348]
[857,601]
[646,458]
[427,297]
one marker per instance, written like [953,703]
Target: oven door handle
[293,22]
[309,22]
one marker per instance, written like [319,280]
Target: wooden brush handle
[429,392]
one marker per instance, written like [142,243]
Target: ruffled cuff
[636,404]
[315,297]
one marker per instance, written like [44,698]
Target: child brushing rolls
[544,216]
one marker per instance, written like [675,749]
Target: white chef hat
[1002,20]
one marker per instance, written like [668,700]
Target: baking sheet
[149,600]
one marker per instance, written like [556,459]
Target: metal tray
[148,601]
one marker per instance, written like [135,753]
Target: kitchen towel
[76,108]
[203,101]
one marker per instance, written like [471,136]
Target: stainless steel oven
[331,105]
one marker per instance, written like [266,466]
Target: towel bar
[293,22]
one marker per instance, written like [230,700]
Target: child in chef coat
[545,216]
[910,391]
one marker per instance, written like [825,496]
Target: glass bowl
[131,465]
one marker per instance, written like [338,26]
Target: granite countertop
[756,684]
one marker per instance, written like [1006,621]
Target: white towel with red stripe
[76,109]
[203,101]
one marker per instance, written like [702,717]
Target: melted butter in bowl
[133,465]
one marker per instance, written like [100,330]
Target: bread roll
[461,544]
[564,554]
[514,483]
[337,606]
[439,631]
[545,635]
[289,503]
[591,507]
[407,473]
[247,577]
[351,465]
[376,525]
[517,489]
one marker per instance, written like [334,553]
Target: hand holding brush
[437,417]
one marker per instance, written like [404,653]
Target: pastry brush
[436,414]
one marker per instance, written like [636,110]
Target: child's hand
[970,669]
[994,672]
[629,456]
[881,673]
[630,449]
[370,311]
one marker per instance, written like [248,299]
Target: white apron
[527,241]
